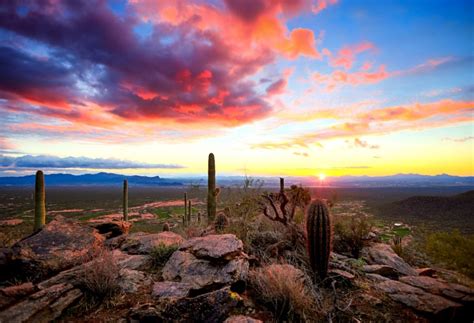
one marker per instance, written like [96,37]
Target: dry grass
[160,254]
[283,289]
[100,280]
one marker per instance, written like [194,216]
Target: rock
[366,298]
[455,292]
[377,278]
[382,254]
[416,298]
[113,229]
[59,245]
[9,295]
[170,289]
[241,319]
[10,222]
[426,272]
[43,306]
[382,270]
[217,246]
[341,276]
[116,242]
[143,243]
[203,273]
[18,290]
[131,280]
[72,276]
[209,307]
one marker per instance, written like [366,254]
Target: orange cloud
[386,120]
[340,78]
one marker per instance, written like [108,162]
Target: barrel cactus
[212,191]
[319,235]
[166,227]
[40,204]
[125,200]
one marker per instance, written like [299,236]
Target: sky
[271,87]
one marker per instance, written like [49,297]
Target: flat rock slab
[382,254]
[143,243]
[216,246]
[456,292]
[59,245]
[130,281]
[418,299]
[204,273]
[43,306]
[170,289]
[382,270]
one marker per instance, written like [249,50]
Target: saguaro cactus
[282,185]
[212,191]
[185,216]
[319,233]
[189,212]
[125,200]
[40,205]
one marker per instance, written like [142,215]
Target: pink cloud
[320,5]
[339,78]
[346,56]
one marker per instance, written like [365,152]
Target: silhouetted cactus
[212,191]
[189,212]
[199,217]
[221,222]
[166,227]
[319,235]
[40,204]
[185,208]
[125,200]
[282,185]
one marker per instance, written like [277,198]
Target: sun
[322,176]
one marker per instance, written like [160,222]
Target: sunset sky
[271,87]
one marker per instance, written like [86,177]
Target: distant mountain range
[90,179]
[399,180]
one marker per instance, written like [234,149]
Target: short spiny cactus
[212,191]
[166,227]
[319,235]
[125,200]
[189,211]
[40,205]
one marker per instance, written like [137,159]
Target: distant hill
[443,212]
[90,179]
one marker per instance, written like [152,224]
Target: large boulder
[43,306]
[208,263]
[143,243]
[434,306]
[382,270]
[59,245]
[382,254]
[217,246]
[241,319]
[214,306]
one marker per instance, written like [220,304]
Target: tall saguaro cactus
[319,233]
[212,191]
[125,200]
[189,212]
[185,216]
[40,204]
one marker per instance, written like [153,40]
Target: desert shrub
[283,290]
[397,246]
[350,233]
[160,254]
[452,250]
[100,279]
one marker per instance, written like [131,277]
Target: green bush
[452,250]
[350,233]
[160,254]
